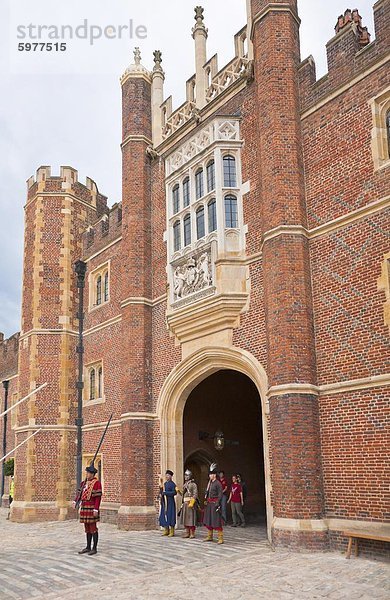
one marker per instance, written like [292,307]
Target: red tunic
[91,496]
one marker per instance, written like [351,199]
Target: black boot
[95,543]
[88,548]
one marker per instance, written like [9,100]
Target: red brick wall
[352,339]
[339,172]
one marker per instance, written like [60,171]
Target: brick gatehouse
[238,293]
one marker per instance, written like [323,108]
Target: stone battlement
[217,82]
[9,350]
[103,231]
[66,182]
[349,53]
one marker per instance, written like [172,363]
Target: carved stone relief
[192,274]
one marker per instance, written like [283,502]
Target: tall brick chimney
[137,501]
[295,451]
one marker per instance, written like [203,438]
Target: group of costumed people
[89,496]
[212,518]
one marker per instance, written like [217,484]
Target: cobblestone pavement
[40,560]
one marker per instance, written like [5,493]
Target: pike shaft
[23,399]
[21,444]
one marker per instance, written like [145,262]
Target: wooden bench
[359,535]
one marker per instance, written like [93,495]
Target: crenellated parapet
[349,53]
[9,350]
[66,183]
[202,88]
[104,231]
[213,82]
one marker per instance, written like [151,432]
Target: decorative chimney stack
[353,17]
[158,77]
[199,33]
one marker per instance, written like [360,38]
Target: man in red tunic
[91,495]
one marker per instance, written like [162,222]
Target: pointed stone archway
[176,390]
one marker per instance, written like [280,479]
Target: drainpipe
[80,268]
[5,385]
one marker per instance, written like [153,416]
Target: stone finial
[353,16]
[157,56]
[136,69]
[137,56]
[199,10]
[199,18]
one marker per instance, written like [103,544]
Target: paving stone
[41,560]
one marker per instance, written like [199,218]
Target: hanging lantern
[219,440]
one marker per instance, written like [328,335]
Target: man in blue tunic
[168,492]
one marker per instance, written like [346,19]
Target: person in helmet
[188,515]
[212,519]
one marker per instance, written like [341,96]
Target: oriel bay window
[205,197]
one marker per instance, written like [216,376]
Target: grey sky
[64,108]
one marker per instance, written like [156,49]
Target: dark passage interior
[227,402]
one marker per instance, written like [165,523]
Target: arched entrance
[227,402]
[175,392]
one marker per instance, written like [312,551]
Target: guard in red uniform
[91,495]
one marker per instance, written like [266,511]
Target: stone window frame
[384,286]
[87,459]
[380,107]
[216,154]
[102,272]
[96,367]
